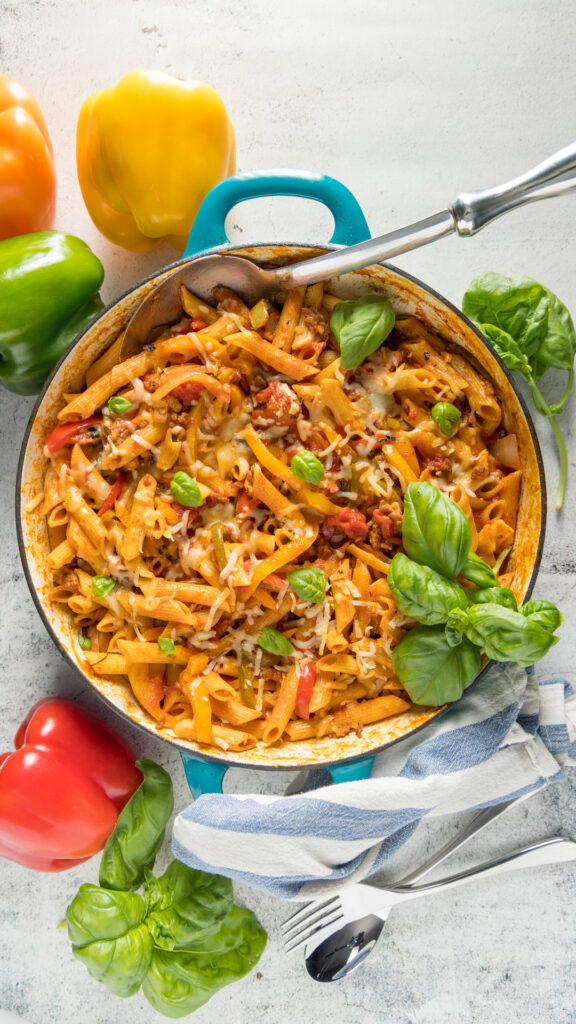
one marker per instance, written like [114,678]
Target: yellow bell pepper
[148,151]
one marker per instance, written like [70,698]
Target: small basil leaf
[305,466]
[102,585]
[118,405]
[275,642]
[544,613]
[423,593]
[185,490]
[179,982]
[435,531]
[108,934]
[492,595]
[84,641]
[309,584]
[167,646]
[446,417]
[185,905]
[432,672]
[506,635]
[477,571]
[139,831]
[360,326]
[455,627]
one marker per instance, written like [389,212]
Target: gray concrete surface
[407,104]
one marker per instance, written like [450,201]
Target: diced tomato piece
[245,503]
[77,432]
[197,323]
[348,521]
[304,692]
[275,581]
[112,493]
[384,522]
[188,392]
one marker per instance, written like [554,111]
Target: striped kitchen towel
[507,736]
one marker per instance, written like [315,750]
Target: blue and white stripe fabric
[507,736]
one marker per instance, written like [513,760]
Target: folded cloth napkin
[509,735]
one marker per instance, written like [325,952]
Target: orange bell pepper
[148,150]
[27,175]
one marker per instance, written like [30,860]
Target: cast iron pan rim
[210,758]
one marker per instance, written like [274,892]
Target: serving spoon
[469,212]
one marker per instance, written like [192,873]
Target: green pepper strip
[246,687]
[218,542]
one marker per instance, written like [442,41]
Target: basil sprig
[183,939]
[532,332]
[437,660]
[360,326]
[309,584]
[307,467]
[446,417]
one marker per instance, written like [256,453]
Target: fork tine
[300,915]
[301,938]
[316,915]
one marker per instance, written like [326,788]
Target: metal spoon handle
[549,851]
[469,212]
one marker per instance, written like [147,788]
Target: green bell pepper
[49,285]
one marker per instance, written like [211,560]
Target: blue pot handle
[208,776]
[350,225]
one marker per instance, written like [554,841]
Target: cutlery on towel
[343,929]
[469,212]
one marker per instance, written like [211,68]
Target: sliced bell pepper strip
[112,493]
[304,692]
[77,432]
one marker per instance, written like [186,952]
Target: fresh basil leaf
[179,982]
[185,490]
[118,405]
[493,595]
[544,613]
[139,831]
[167,646]
[185,905]
[84,641]
[275,642]
[102,585]
[305,466]
[477,571]
[360,326]
[432,672]
[309,584]
[109,936]
[422,593]
[435,531]
[506,635]
[446,417]
[455,627]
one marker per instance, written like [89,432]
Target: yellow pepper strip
[399,462]
[177,375]
[318,502]
[148,151]
[202,713]
[287,553]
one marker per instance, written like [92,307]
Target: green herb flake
[309,584]
[305,466]
[84,641]
[166,645]
[118,405]
[102,586]
[275,642]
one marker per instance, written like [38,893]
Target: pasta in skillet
[224,505]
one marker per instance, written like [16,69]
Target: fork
[322,918]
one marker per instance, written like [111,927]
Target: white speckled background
[407,103]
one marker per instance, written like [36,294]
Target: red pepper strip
[245,503]
[304,692]
[71,433]
[112,493]
[61,792]
[188,392]
[275,581]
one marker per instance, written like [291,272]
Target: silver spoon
[469,212]
[346,949]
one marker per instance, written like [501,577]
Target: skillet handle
[203,776]
[350,225]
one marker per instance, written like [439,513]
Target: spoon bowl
[345,950]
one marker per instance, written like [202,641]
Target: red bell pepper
[64,786]
[77,432]
[304,691]
[112,493]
